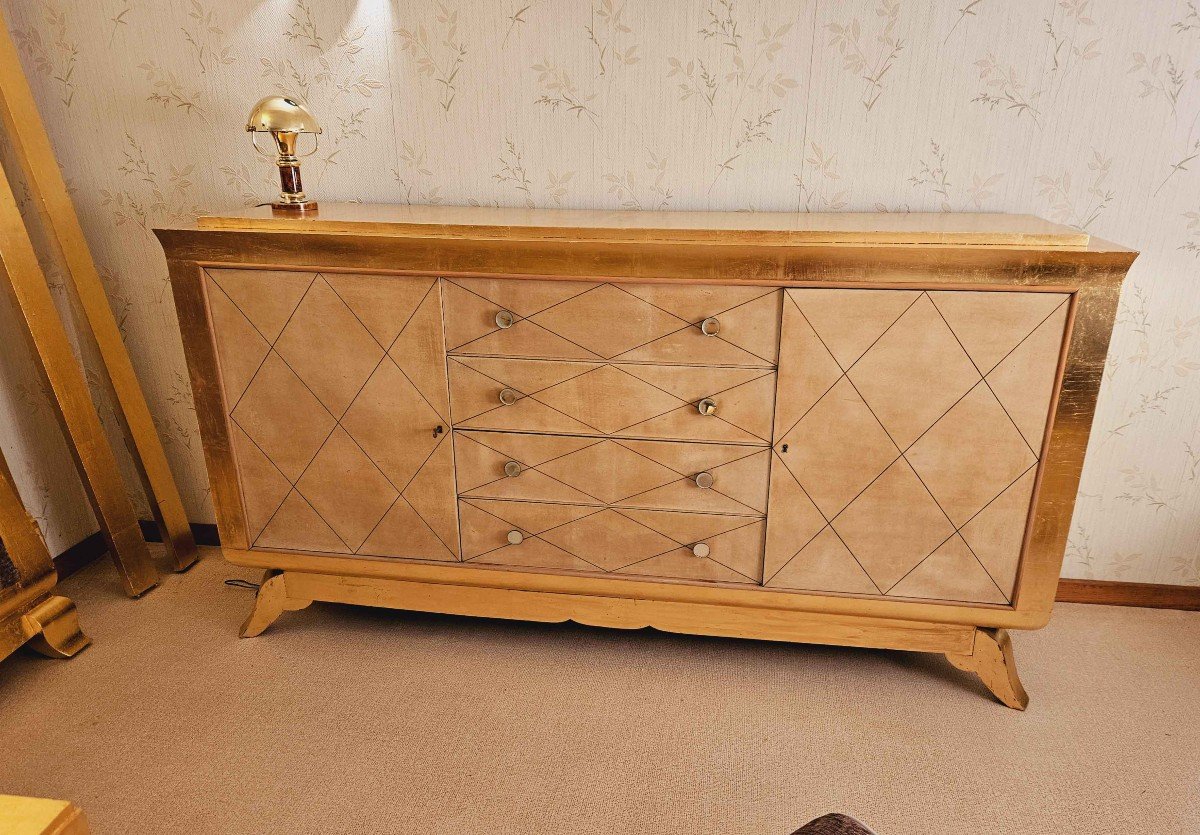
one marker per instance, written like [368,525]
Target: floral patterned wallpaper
[1083,111]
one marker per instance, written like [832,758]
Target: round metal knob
[505,319]
[508,397]
[707,406]
[516,538]
[704,480]
[710,326]
[701,549]
[512,469]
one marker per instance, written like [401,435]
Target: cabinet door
[908,431]
[335,389]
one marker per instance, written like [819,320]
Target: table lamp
[285,118]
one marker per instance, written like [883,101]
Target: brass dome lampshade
[285,118]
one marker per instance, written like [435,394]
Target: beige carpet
[348,720]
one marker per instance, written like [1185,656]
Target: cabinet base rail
[986,652]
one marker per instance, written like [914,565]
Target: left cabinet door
[339,417]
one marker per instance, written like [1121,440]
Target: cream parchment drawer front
[629,400]
[627,542]
[687,323]
[908,431]
[668,475]
[338,411]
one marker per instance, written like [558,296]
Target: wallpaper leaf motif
[971,105]
[607,35]
[53,53]
[1065,206]
[416,180]
[339,86]
[440,61]
[1071,48]
[969,10]
[820,197]
[558,186]
[169,91]
[637,194]
[872,58]
[559,92]
[512,172]
[204,37]
[745,81]
[934,176]
[1004,89]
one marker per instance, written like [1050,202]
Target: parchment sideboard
[849,429]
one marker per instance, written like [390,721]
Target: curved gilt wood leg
[992,660]
[271,602]
[53,628]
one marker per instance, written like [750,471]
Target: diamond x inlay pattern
[334,385]
[588,398]
[907,438]
[632,473]
[626,322]
[611,540]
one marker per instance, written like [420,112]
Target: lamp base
[307,207]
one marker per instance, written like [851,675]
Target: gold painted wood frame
[29,611]
[32,148]
[958,256]
[22,279]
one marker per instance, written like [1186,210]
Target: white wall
[1083,111]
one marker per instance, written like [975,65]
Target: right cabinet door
[908,429]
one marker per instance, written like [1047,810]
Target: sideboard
[850,429]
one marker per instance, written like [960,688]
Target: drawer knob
[505,319]
[515,537]
[701,549]
[704,480]
[707,406]
[710,326]
[512,469]
[507,397]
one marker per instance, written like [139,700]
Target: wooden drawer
[645,543]
[591,398]
[627,322]
[663,475]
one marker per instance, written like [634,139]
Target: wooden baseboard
[82,553]
[203,533]
[92,547]
[1117,593]
[1103,592]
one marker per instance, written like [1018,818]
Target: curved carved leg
[53,628]
[992,660]
[271,602]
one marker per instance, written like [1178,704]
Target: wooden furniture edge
[41,816]
[756,598]
[48,625]
[292,590]
[791,228]
[24,282]
[1121,593]
[1070,590]
[599,260]
[1092,275]
[991,658]
[44,179]
[984,652]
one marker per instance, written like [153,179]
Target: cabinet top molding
[755,228]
